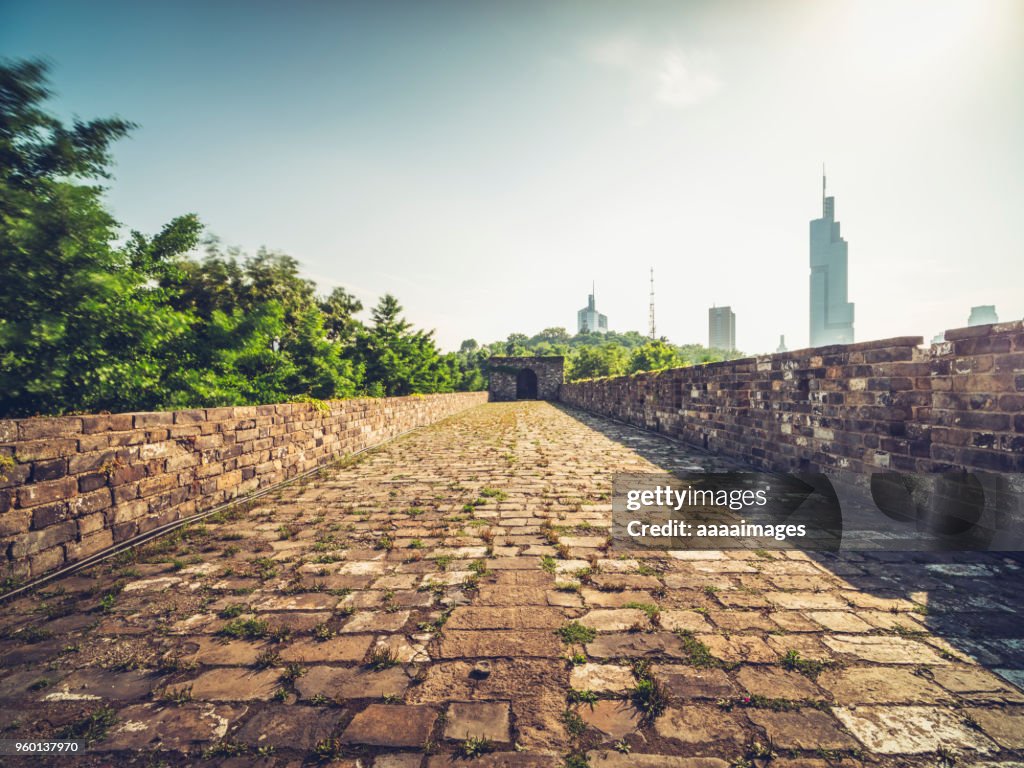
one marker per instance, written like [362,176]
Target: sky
[485,162]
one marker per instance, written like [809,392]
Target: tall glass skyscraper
[831,313]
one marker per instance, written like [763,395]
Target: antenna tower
[650,317]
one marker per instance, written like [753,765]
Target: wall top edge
[127,420]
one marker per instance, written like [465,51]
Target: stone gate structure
[526,378]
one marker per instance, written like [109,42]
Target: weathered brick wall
[856,407]
[73,486]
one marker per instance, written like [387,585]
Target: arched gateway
[525,378]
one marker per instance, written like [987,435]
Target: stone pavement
[448,599]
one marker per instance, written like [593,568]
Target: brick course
[73,486]
[887,404]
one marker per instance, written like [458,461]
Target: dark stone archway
[525,378]
[526,384]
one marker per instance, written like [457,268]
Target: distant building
[938,338]
[721,328]
[589,320]
[983,315]
[782,343]
[831,313]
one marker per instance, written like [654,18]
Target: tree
[399,360]
[594,362]
[340,323]
[84,324]
[654,356]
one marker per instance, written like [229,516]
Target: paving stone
[391,725]
[339,648]
[307,601]
[497,760]
[884,650]
[774,683]
[501,595]
[185,728]
[739,648]
[395,760]
[601,678]
[607,759]
[99,684]
[808,646]
[793,621]
[158,584]
[840,621]
[519,643]
[615,718]
[624,581]
[215,652]
[563,599]
[478,719]
[808,729]
[736,621]
[700,725]
[534,617]
[231,684]
[404,651]
[798,601]
[896,730]
[352,683]
[880,685]
[299,728]
[616,620]
[636,644]
[689,621]
[586,542]
[1004,725]
[686,682]
[976,684]
[379,621]
[595,598]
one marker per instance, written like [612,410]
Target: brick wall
[855,407]
[75,485]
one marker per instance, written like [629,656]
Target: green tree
[594,362]
[653,356]
[84,324]
[399,360]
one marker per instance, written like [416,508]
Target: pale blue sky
[485,161]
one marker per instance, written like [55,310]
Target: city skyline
[473,161]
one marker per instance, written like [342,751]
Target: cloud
[681,82]
[667,77]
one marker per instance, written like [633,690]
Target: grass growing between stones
[576,633]
[811,668]
[648,695]
[248,629]
[697,654]
[92,727]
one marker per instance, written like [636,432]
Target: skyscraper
[721,328]
[831,313]
[589,320]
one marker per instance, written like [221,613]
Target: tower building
[589,320]
[831,314]
[722,328]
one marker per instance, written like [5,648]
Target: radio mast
[651,332]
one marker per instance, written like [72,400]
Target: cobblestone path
[448,599]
